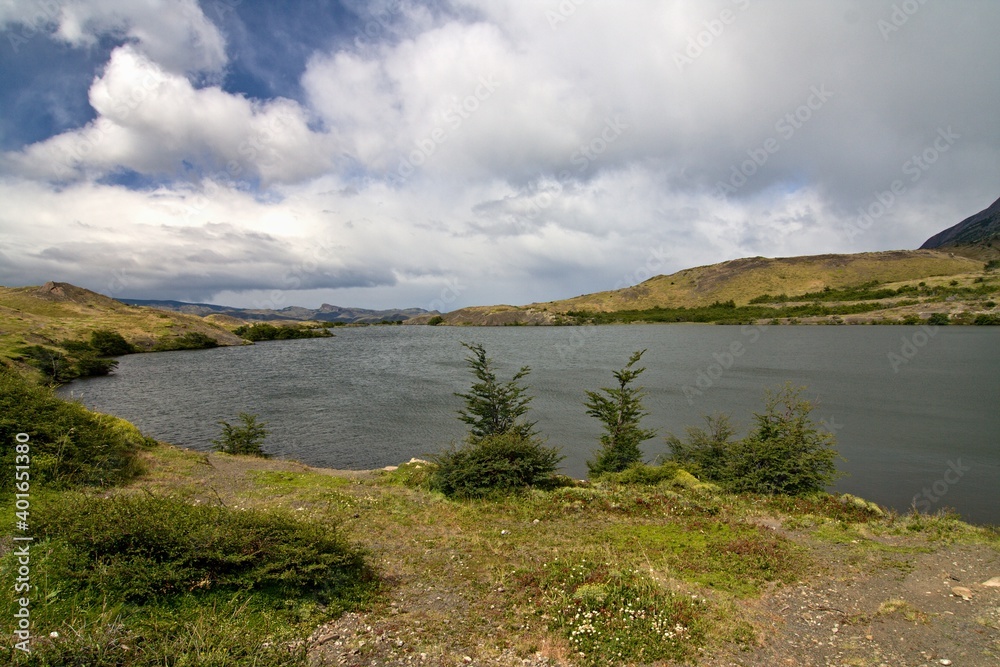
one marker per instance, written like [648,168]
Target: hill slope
[976,235]
[741,280]
[933,282]
[60,311]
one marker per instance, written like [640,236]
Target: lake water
[916,411]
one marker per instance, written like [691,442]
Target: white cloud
[158,124]
[519,157]
[176,34]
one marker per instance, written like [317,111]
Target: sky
[446,153]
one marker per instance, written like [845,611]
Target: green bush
[144,581]
[436,320]
[193,340]
[90,365]
[620,410]
[264,331]
[247,439]
[938,319]
[69,445]
[495,465]
[706,450]
[55,366]
[141,547]
[109,343]
[987,319]
[785,453]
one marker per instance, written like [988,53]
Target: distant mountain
[979,232]
[325,313]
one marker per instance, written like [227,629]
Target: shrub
[986,319]
[620,410]
[493,407]
[141,547]
[494,465]
[938,319]
[247,439]
[109,343]
[89,365]
[436,320]
[69,445]
[55,366]
[264,331]
[193,340]
[785,453]
[706,450]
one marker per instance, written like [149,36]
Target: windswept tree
[493,407]
[502,453]
[620,410]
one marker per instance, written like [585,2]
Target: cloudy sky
[445,153]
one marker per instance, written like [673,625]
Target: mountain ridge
[980,229]
[325,313]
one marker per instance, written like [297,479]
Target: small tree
[706,450]
[502,453]
[493,407]
[620,409]
[785,453]
[247,439]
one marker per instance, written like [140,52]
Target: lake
[916,410]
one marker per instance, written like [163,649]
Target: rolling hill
[56,312]
[743,281]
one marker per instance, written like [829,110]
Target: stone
[961,592]
[992,583]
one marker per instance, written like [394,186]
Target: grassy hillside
[904,286]
[56,312]
[743,279]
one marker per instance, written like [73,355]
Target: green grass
[151,580]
